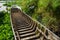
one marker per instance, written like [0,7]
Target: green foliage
[55,3]
[9,4]
[45,11]
[43,3]
[1,17]
[5,27]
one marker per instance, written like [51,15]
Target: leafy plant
[5,27]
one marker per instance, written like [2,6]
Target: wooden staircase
[25,28]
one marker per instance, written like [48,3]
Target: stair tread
[27,35]
[24,29]
[28,31]
[30,37]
